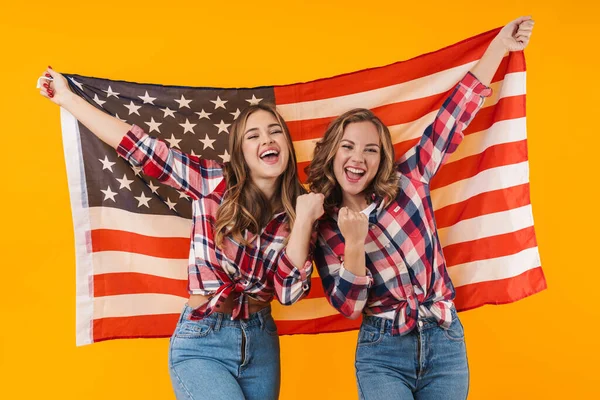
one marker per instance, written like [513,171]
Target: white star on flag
[207,142]
[183,102]
[170,204]
[143,200]
[188,127]
[133,109]
[78,84]
[168,112]
[119,118]
[106,164]
[193,153]
[182,195]
[109,194]
[147,99]
[136,170]
[97,100]
[222,127]
[225,156]
[153,125]
[219,103]
[153,187]
[124,182]
[253,101]
[110,92]
[235,114]
[203,114]
[173,142]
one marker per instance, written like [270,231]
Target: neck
[267,187]
[355,202]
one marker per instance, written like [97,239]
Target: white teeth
[268,152]
[355,171]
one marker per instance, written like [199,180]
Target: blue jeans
[427,363]
[217,358]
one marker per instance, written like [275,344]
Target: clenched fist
[309,207]
[353,225]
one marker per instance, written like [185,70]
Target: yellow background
[544,347]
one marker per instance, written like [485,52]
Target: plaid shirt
[406,276]
[258,271]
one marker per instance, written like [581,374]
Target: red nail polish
[48,75]
[50,95]
[46,85]
[49,67]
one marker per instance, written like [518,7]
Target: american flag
[132,233]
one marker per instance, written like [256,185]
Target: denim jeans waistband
[218,320]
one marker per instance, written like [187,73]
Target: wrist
[497,47]
[68,100]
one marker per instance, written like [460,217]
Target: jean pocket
[192,329]
[455,332]
[270,326]
[369,336]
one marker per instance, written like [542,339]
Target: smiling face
[264,147]
[357,160]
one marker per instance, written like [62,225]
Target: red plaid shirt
[258,271]
[406,272]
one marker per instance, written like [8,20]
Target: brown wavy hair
[244,206]
[321,178]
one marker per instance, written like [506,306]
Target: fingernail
[50,95]
[46,85]
[48,75]
[49,67]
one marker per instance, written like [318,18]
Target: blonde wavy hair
[244,206]
[321,178]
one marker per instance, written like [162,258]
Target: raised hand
[56,89]
[353,225]
[309,207]
[516,34]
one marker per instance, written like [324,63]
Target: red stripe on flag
[490,247]
[333,323]
[492,157]
[501,291]
[507,108]
[373,78]
[121,283]
[146,326]
[484,203]
[133,283]
[163,247]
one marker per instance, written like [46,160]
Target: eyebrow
[255,129]
[370,144]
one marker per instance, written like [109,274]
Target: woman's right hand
[354,225]
[309,207]
[57,89]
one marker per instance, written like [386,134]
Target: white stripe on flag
[142,224]
[495,268]
[491,179]
[502,132]
[110,262]
[487,225]
[130,305]
[78,194]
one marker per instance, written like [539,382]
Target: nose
[267,139]
[357,156]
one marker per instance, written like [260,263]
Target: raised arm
[294,265]
[445,133]
[192,175]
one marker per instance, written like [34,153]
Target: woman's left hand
[516,34]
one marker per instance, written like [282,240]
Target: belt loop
[382,328]
[261,318]
[185,314]
[218,321]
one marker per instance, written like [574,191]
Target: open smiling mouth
[354,174]
[270,156]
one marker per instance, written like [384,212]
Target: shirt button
[372,226]
[305,287]
[420,324]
